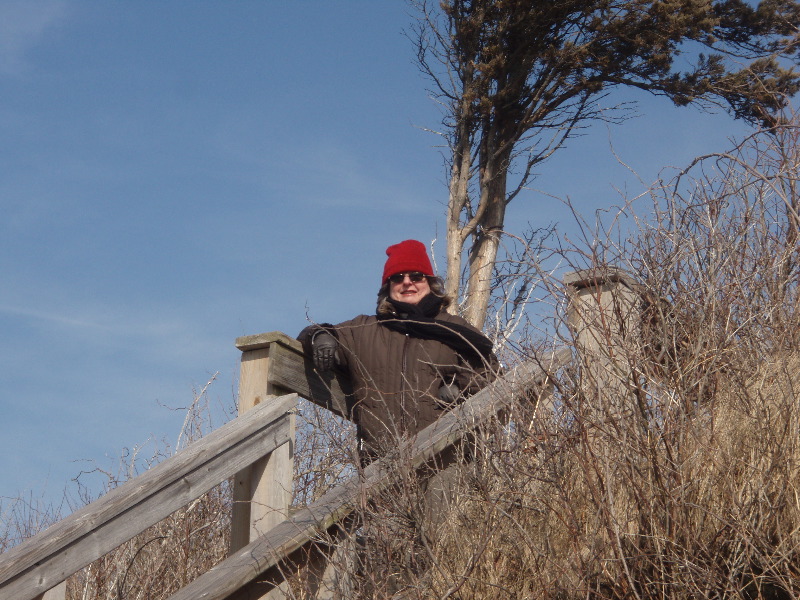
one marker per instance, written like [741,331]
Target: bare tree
[517,78]
[669,471]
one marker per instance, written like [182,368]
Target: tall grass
[662,464]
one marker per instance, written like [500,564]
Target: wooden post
[262,492]
[602,313]
[57,593]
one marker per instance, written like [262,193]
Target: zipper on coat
[404,378]
[404,384]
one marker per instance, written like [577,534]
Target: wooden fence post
[57,593]
[603,314]
[262,493]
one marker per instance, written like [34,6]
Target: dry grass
[666,465]
[663,465]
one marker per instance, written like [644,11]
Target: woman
[411,360]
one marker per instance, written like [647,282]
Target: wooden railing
[270,363]
[254,570]
[256,450]
[47,559]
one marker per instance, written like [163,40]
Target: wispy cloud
[23,24]
[59,319]
[350,181]
[155,329]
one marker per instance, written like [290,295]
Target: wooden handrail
[43,561]
[236,576]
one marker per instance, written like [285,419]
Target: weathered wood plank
[251,562]
[48,558]
[264,340]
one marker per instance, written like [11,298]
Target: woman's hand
[324,351]
[448,395]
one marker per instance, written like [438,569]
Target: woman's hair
[437,289]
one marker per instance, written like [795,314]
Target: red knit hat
[409,255]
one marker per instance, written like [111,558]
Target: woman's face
[403,289]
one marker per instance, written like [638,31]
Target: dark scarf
[419,321]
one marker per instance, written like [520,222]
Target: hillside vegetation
[662,462]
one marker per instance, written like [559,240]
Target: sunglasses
[415,277]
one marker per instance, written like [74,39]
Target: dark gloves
[324,351]
[448,395]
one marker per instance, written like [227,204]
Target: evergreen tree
[517,77]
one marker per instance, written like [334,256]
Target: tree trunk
[484,252]
[459,200]
[453,278]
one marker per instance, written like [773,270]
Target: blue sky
[176,174]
